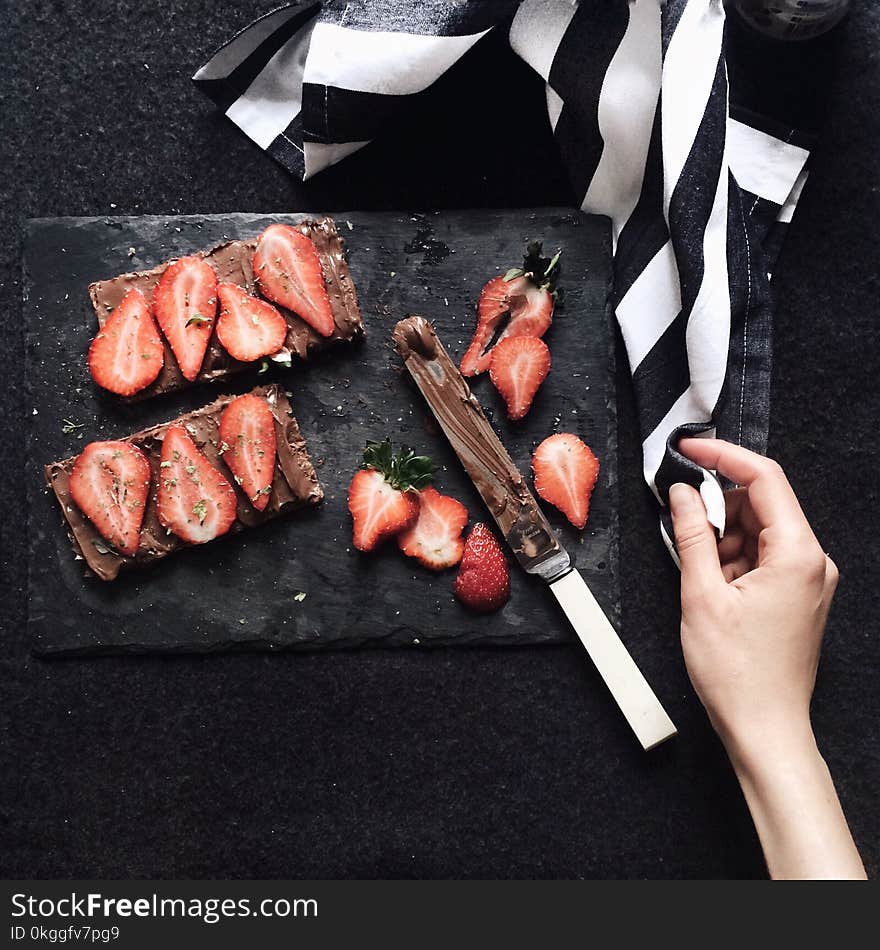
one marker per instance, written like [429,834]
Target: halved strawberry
[288,271]
[566,471]
[518,367]
[527,294]
[247,443]
[195,501]
[126,354]
[109,484]
[383,496]
[483,581]
[185,305]
[434,539]
[248,328]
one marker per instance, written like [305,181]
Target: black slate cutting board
[298,582]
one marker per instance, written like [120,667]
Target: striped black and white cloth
[668,121]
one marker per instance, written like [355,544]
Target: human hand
[754,605]
[753,612]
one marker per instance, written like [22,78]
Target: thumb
[694,540]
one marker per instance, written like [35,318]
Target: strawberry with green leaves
[526,295]
[383,495]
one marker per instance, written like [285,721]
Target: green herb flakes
[69,427]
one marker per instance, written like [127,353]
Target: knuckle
[832,573]
[772,468]
[813,562]
[688,536]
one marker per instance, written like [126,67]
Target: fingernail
[682,498]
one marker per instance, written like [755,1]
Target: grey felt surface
[476,762]
[240,593]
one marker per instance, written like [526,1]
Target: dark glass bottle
[792,19]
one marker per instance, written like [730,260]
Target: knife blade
[523,524]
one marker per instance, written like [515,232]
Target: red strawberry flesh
[126,354]
[383,496]
[434,539]
[288,271]
[483,581]
[530,310]
[185,305]
[518,368]
[248,328]
[247,445]
[109,484]
[526,294]
[194,500]
[378,510]
[566,471]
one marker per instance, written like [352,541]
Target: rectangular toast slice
[232,263]
[294,485]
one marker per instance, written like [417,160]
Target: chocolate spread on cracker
[232,263]
[294,485]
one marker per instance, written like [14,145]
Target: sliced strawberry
[126,354]
[565,475]
[518,367]
[526,294]
[248,328]
[434,540]
[383,497]
[483,581]
[378,510]
[109,484]
[288,271]
[185,305]
[247,442]
[195,501]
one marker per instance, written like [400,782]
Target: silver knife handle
[631,692]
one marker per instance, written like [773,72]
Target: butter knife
[524,526]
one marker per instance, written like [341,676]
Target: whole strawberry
[483,581]
[383,496]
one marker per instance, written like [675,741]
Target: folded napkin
[679,126]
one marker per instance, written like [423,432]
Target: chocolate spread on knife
[294,485]
[232,263]
[479,449]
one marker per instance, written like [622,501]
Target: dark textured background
[399,763]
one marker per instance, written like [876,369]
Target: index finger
[772,498]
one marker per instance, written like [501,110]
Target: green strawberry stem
[543,272]
[404,470]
